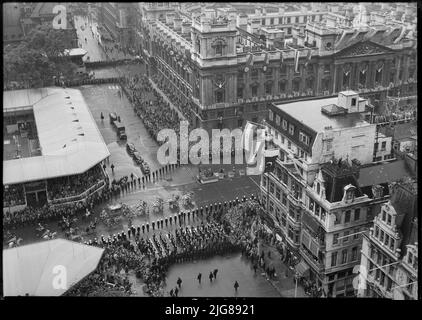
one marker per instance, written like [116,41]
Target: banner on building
[266,62]
[308,57]
[297,54]
[249,62]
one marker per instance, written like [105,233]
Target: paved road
[231,268]
[95,53]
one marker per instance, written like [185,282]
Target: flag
[308,58]
[281,59]
[270,158]
[249,62]
[266,62]
[297,54]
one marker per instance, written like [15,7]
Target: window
[392,244]
[377,230]
[335,238]
[219,96]
[284,124]
[347,216]
[283,220]
[291,129]
[356,234]
[344,257]
[272,21]
[284,199]
[277,119]
[263,22]
[353,102]
[219,48]
[354,253]
[289,144]
[289,30]
[264,182]
[329,144]
[254,89]
[382,236]
[277,193]
[239,92]
[268,88]
[270,115]
[288,21]
[389,219]
[346,236]
[271,187]
[384,215]
[383,145]
[357,214]
[333,259]
[271,206]
[304,138]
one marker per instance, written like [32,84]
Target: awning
[302,268]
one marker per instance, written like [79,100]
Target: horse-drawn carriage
[187,200]
[158,205]
[174,202]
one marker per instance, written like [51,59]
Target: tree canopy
[33,62]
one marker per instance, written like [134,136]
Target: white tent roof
[70,140]
[31,269]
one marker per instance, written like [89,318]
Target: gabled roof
[362,48]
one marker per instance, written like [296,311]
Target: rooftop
[309,113]
[382,173]
[69,138]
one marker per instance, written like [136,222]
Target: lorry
[120,130]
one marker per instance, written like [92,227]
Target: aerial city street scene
[165,149]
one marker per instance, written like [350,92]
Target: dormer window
[353,102]
[318,188]
[410,258]
[389,219]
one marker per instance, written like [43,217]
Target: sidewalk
[284,285]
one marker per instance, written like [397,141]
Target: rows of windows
[344,256]
[384,238]
[346,216]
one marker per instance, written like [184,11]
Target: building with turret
[227,67]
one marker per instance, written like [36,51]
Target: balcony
[318,266]
[98,186]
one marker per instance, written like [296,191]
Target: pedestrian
[211,276]
[215,273]
[112,168]
[199,278]
[104,166]
[171,293]
[236,286]
[179,282]
[176,291]
[102,116]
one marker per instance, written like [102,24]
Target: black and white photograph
[189,150]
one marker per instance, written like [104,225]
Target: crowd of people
[150,106]
[13,195]
[70,186]
[177,99]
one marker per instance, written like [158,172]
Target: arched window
[218,48]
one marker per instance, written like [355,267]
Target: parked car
[113,116]
[130,148]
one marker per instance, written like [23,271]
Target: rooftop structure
[69,139]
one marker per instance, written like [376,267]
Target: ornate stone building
[227,75]
[390,250]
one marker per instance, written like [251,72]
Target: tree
[34,62]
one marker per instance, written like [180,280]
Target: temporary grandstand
[48,133]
